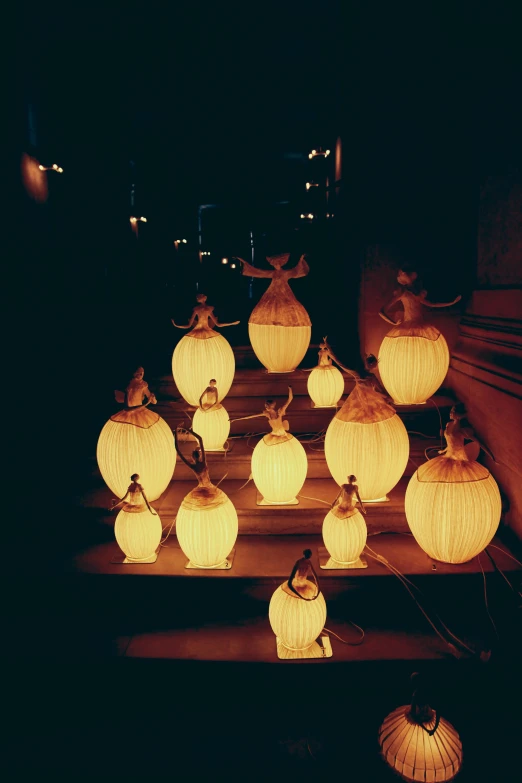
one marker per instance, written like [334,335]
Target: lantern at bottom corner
[345,537]
[297,612]
[325,386]
[207,527]
[426,749]
[214,427]
[138,533]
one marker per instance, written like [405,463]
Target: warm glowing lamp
[211,419]
[344,530]
[414,356]
[419,744]
[136,439]
[325,383]
[452,503]
[297,614]
[206,522]
[202,353]
[279,326]
[366,437]
[137,527]
[279,463]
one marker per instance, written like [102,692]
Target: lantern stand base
[384,499]
[401,404]
[327,563]
[260,501]
[121,559]
[215,451]
[279,372]
[226,565]
[314,651]
[323,407]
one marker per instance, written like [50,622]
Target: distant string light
[205,252]
[177,241]
[318,153]
[224,260]
[312,185]
[54,167]
[308,217]
[136,219]
[232,266]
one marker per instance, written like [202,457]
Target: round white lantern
[206,527]
[344,536]
[136,440]
[279,467]
[297,610]
[413,363]
[199,356]
[138,533]
[366,437]
[214,427]
[431,751]
[325,386]
[453,508]
[279,326]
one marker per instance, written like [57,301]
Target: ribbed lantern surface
[214,427]
[206,526]
[367,438]
[453,508]
[198,356]
[413,362]
[414,754]
[295,622]
[136,441]
[344,537]
[325,386]
[138,533]
[279,469]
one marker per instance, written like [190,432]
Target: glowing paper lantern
[366,437]
[136,439]
[213,426]
[414,356]
[453,504]
[206,522]
[344,529]
[413,363]
[325,383]
[297,610]
[419,744]
[279,463]
[279,326]
[201,354]
[138,526]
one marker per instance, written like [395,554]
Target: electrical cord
[306,497]
[500,571]
[345,641]
[505,553]
[430,399]
[486,598]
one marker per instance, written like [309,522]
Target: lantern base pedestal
[401,404]
[323,407]
[121,559]
[226,565]
[314,651]
[327,562]
[262,502]
[384,499]
[215,451]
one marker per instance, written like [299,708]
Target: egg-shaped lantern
[420,745]
[452,503]
[414,356]
[344,529]
[366,437]
[136,439]
[211,419]
[201,354]
[297,612]
[325,383]
[279,462]
[279,326]
[206,522]
[137,527]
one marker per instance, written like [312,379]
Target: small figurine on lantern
[137,527]
[414,356]
[279,463]
[344,530]
[297,613]
[201,353]
[279,326]
[135,437]
[325,383]
[211,419]
[206,522]
[452,502]
[417,743]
